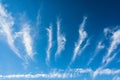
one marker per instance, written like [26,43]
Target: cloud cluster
[7,29]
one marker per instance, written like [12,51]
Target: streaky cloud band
[70,73]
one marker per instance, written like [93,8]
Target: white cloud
[82,37]
[6,24]
[49,33]
[107,31]
[101,71]
[99,47]
[61,40]
[69,73]
[27,40]
[115,41]
[84,47]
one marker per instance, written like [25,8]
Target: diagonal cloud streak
[61,40]
[6,23]
[99,47]
[82,37]
[27,40]
[115,41]
[49,31]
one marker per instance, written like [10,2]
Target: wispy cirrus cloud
[101,71]
[27,40]
[62,74]
[6,24]
[61,40]
[82,37]
[49,33]
[115,41]
[99,47]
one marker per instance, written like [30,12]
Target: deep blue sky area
[59,40]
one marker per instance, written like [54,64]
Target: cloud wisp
[115,41]
[62,74]
[61,40]
[6,24]
[99,47]
[27,40]
[101,71]
[49,33]
[116,78]
[82,37]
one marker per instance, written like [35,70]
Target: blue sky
[59,40]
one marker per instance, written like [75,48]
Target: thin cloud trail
[49,31]
[63,74]
[82,37]
[101,71]
[6,24]
[61,40]
[99,47]
[84,47]
[109,59]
